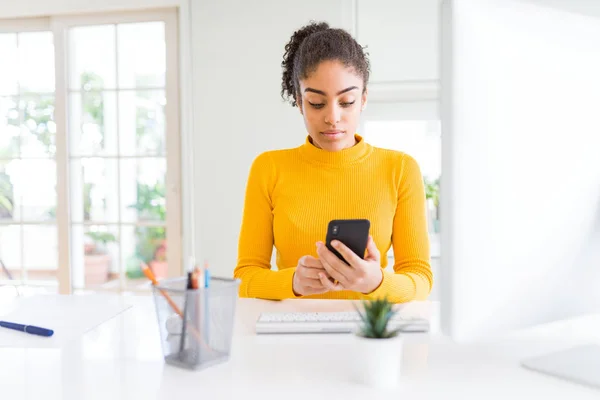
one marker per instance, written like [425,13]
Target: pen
[34,330]
[206,275]
[182,340]
[146,270]
[191,269]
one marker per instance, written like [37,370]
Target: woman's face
[331,100]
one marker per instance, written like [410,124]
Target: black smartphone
[354,233]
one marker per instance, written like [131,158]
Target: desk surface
[122,359]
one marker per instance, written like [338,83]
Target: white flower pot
[378,362]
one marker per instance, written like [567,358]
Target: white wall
[402,38]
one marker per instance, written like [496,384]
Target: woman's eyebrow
[324,94]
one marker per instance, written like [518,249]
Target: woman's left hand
[362,276]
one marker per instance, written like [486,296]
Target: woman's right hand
[306,278]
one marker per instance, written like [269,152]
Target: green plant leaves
[375,318]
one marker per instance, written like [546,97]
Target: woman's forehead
[331,77]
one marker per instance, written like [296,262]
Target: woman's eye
[321,105]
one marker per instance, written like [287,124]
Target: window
[419,138]
[89,178]
[28,198]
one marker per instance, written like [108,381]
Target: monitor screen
[520,186]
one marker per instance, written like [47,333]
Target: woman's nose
[332,116]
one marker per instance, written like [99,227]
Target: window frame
[25,25]
[59,27]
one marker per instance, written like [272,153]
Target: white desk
[122,359]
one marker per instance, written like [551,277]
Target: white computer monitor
[520,186]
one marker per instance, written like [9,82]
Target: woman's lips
[332,133]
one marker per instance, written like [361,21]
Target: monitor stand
[578,364]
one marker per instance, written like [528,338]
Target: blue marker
[206,277]
[206,305]
[34,330]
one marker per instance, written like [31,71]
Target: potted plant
[158,264]
[97,260]
[379,348]
[151,246]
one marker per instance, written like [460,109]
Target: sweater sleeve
[255,244]
[412,278]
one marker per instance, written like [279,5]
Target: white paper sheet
[68,316]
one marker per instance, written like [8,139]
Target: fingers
[308,280]
[328,284]
[313,284]
[339,277]
[372,250]
[311,262]
[348,254]
[306,286]
[336,268]
[311,276]
[309,273]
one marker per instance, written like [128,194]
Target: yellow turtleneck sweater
[291,196]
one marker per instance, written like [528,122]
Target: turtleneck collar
[336,158]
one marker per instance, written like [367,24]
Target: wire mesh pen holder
[203,337]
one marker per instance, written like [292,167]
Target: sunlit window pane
[34,186]
[143,195]
[10,248]
[38,129]
[92,57]
[142,122]
[40,251]
[95,256]
[94,193]
[142,54]
[8,65]
[147,245]
[36,62]
[10,120]
[93,126]
[419,139]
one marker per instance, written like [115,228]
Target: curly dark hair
[312,44]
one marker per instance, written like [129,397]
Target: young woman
[292,194]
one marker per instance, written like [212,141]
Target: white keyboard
[328,322]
